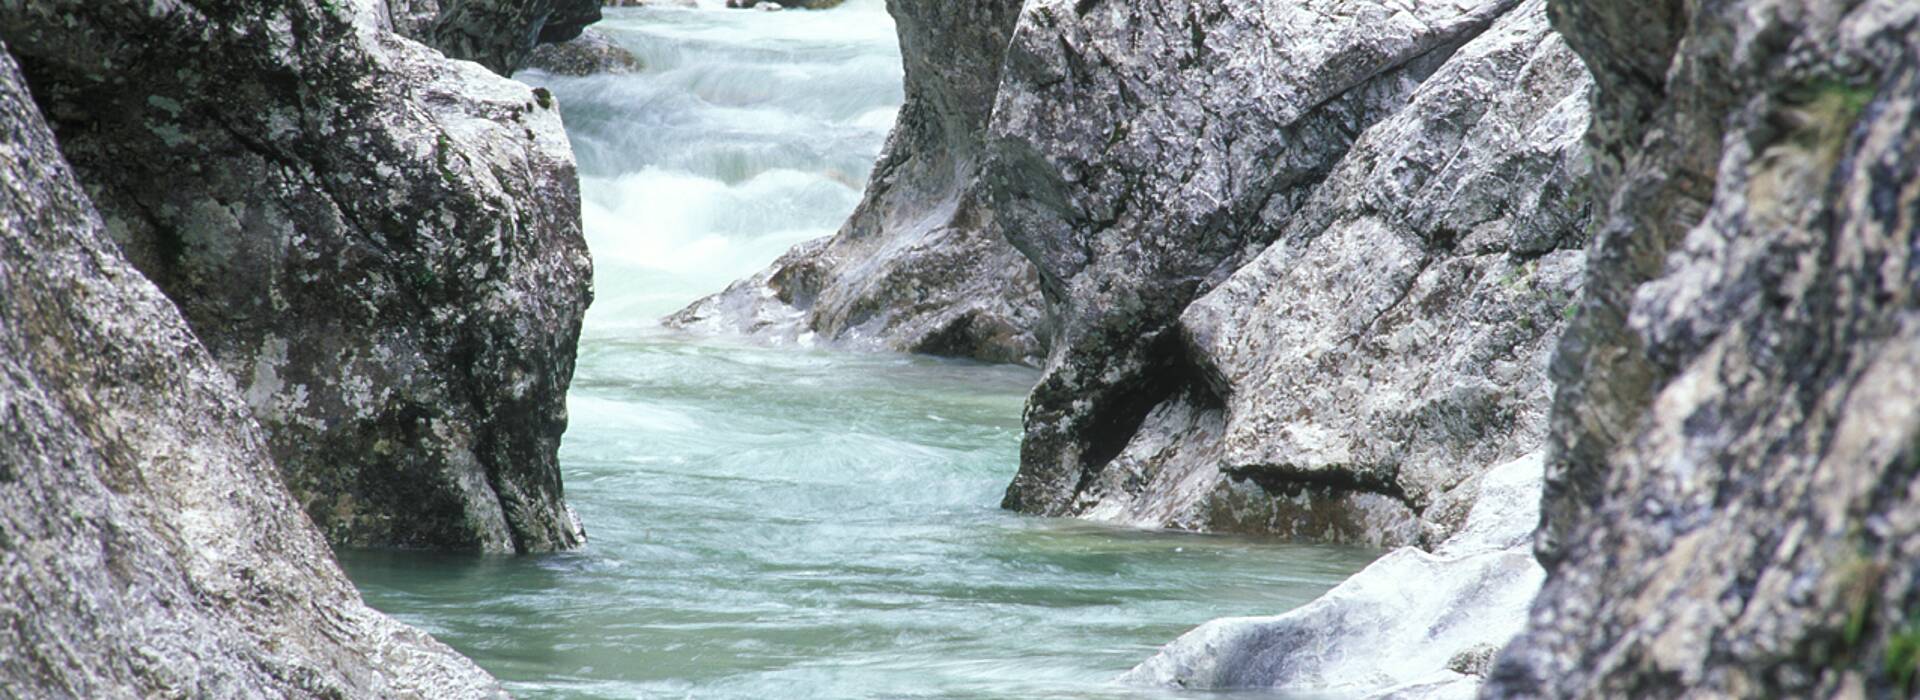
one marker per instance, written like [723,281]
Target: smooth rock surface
[1412,624]
[1731,503]
[379,245]
[921,266]
[147,546]
[1316,304]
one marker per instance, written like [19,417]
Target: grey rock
[1316,304]
[380,246]
[499,34]
[922,265]
[1412,624]
[147,547]
[1730,507]
[587,54]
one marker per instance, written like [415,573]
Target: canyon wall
[147,546]
[922,265]
[1307,261]
[1731,505]
[380,246]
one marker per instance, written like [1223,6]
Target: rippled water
[782,523]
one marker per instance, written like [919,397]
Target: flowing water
[782,522]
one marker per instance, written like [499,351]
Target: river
[772,522]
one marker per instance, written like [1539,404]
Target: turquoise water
[788,523]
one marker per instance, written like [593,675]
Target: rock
[922,265]
[791,4]
[1316,304]
[499,34]
[380,246]
[587,54]
[1731,507]
[147,547]
[1412,624]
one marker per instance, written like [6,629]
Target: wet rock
[1412,624]
[381,247]
[786,4]
[1317,304]
[587,54]
[1730,506]
[499,34]
[922,265]
[147,546]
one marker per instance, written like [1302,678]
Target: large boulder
[499,34]
[922,265]
[380,246]
[147,547]
[1307,261]
[590,53]
[1413,624]
[1731,504]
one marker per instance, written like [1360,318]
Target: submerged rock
[147,546]
[380,246]
[922,265]
[1317,303]
[1412,624]
[1731,507]
[588,54]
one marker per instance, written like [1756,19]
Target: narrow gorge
[997,349]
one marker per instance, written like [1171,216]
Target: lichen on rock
[147,546]
[382,247]
[1730,507]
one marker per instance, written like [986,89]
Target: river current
[790,522]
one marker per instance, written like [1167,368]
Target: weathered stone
[587,54]
[498,34]
[1313,304]
[1731,503]
[381,246]
[1412,624]
[147,546]
[921,266]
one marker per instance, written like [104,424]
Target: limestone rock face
[588,54]
[380,246]
[147,546]
[1731,504]
[922,265]
[1307,262]
[1414,624]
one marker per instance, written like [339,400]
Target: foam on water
[783,523]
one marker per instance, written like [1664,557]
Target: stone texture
[1413,624]
[588,54]
[147,547]
[922,265]
[1731,505]
[1316,304]
[499,34]
[380,246]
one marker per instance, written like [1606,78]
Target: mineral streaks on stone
[1330,315]
[1730,503]
[147,546]
[380,246]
